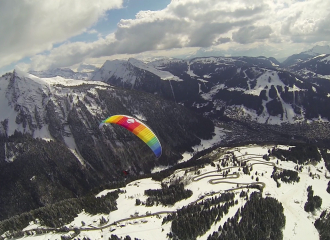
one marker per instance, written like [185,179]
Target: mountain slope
[306,55]
[318,66]
[236,87]
[51,147]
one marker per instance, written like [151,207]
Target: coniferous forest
[260,218]
[322,224]
[299,154]
[57,214]
[168,195]
[313,202]
[194,220]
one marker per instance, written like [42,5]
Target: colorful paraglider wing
[139,129]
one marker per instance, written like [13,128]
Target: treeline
[194,220]
[63,212]
[322,224]
[168,195]
[312,201]
[301,153]
[260,218]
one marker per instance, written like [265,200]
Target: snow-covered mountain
[306,55]
[236,87]
[129,72]
[62,72]
[316,67]
[51,147]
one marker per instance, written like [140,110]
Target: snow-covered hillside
[50,127]
[24,98]
[129,71]
[139,221]
[306,55]
[236,87]
[24,103]
[314,68]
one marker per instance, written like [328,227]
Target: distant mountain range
[62,72]
[258,88]
[306,55]
[255,88]
[51,147]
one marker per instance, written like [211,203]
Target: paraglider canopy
[139,129]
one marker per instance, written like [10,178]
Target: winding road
[215,179]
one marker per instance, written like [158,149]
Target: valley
[223,174]
[245,145]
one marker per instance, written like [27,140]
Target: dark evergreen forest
[313,202]
[194,220]
[299,154]
[322,224]
[58,214]
[168,195]
[260,219]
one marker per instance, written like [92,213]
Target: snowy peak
[129,72]
[22,98]
[115,69]
[164,75]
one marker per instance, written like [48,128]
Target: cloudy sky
[39,34]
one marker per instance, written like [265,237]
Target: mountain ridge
[268,89]
[306,55]
[50,134]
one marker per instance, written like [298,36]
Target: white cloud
[92,31]
[248,26]
[172,27]
[252,34]
[30,27]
